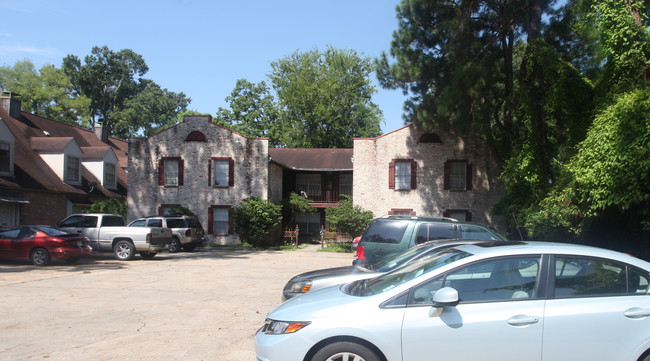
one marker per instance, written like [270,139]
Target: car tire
[189,247]
[339,351]
[175,246]
[39,257]
[646,358]
[147,255]
[124,250]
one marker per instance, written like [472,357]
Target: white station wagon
[508,301]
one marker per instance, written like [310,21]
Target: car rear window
[385,231]
[194,223]
[175,223]
[111,221]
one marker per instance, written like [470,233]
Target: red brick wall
[43,208]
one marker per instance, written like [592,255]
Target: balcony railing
[328,196]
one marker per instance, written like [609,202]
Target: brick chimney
[101,132]
[11,103]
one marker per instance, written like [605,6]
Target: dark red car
[40,244]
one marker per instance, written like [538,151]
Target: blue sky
[201,47]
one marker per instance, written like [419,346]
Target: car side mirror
[445,297]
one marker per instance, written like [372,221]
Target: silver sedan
[314,280]
[509,301]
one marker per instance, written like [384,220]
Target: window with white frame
[72,170]
[309,183]
[403,175]
[171,172]
[220,219]
[221,172]
[110,179]
[5,157]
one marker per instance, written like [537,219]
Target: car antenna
[517,225]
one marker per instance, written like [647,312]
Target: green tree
[610,172]
[148,111]
[324,98]
[108,79]
[348,218]
[47,92]
[254,221]
[295,204]
[252,112]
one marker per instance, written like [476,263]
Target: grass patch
[337,247]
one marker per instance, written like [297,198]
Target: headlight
[273,327]
[300,287]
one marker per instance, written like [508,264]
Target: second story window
[309,184]
[222,172]
[170,172]
[345,184]
[109,175]
[5,157]
[402,174]
[71,169]
[458,175]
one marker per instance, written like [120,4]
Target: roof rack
[425,218]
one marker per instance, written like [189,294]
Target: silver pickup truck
[108,233]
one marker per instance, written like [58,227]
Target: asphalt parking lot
[203,305]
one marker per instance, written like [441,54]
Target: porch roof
[313,159]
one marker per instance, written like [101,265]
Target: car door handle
[522,320]
[637,312]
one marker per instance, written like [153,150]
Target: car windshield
[404,274]
[400,259]
[476,232]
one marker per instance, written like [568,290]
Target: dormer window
[109,175]
[72,170]
[5,157]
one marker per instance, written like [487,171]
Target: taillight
[188,233]
[148,237]
[361,252]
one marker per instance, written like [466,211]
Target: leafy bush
[348,218]
[181,211]
[255,219]
[111,205]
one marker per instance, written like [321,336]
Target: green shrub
[111,205]
[348,218]
[255,219]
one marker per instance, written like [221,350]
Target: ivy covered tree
[609,177]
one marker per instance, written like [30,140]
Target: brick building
[210,169]
[50,169]
[413,172]
[199,165]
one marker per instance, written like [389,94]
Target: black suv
[388,236]
[187,231]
